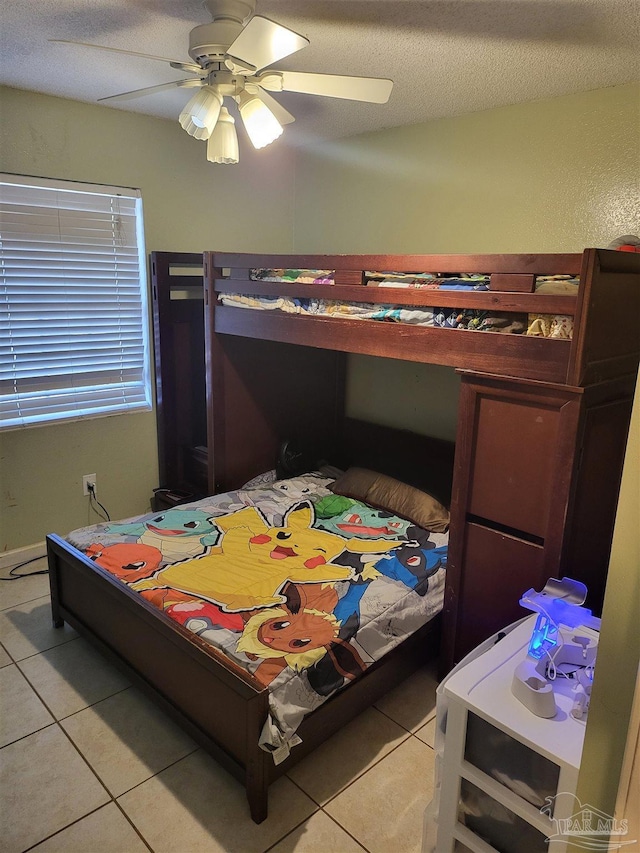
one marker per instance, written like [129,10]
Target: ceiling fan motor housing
[236,10]
[209,42]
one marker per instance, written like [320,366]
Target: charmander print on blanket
[301,587]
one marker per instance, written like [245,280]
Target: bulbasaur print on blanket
[301,587]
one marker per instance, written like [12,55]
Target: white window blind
[73,302]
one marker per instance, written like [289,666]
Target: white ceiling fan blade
[263,42]
[175,63]
[375,90]
[149,90]
[283,116]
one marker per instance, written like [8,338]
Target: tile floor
[88,765]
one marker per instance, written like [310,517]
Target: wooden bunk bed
[533,481]
[181,402]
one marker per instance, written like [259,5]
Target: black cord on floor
[93,499]
[15,577]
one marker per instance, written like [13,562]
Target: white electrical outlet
[86,479]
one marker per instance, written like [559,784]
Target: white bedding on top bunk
[467,319]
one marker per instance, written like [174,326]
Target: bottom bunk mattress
[301,587]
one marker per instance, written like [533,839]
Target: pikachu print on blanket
[253,561]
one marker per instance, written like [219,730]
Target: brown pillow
[399,498]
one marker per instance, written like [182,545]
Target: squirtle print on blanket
[301,587]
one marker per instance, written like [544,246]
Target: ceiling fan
[232,58]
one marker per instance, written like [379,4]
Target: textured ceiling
[446,57]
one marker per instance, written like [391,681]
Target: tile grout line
[321,808]
[38,651]
[58,831]
[293,829]
[109,794]
[50,710]
[41,651]
[302,822]
[97,702]
[34,732]
[411,731]
[359,843]
[88,814]
[79,711]
[132,825]
[56,723]
[364,773]
[19,577]
[20,603]
[162,770]
[350,783]
[112,798]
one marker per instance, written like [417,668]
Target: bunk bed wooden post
[604,360]
[258,761]
[606,341]
[179,349]
[54,587]
[214,357]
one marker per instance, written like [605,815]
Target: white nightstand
[499,764]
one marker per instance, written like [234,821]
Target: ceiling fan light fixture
[201,113]
[260,123]
[222,145]
[232,57]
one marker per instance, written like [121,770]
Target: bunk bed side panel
[606,342]
[591,514]
[507,355]
[178,326]
[515,456]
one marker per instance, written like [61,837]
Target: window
[73,302]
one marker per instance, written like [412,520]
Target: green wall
[547,176]
[189,205]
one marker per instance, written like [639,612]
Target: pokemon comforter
[303,588]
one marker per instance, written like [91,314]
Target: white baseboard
[8,559]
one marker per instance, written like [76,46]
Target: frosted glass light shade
[200,115]
[260,123]
[222,145]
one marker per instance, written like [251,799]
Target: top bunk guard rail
[606,308]
[556,264]
[511,301]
